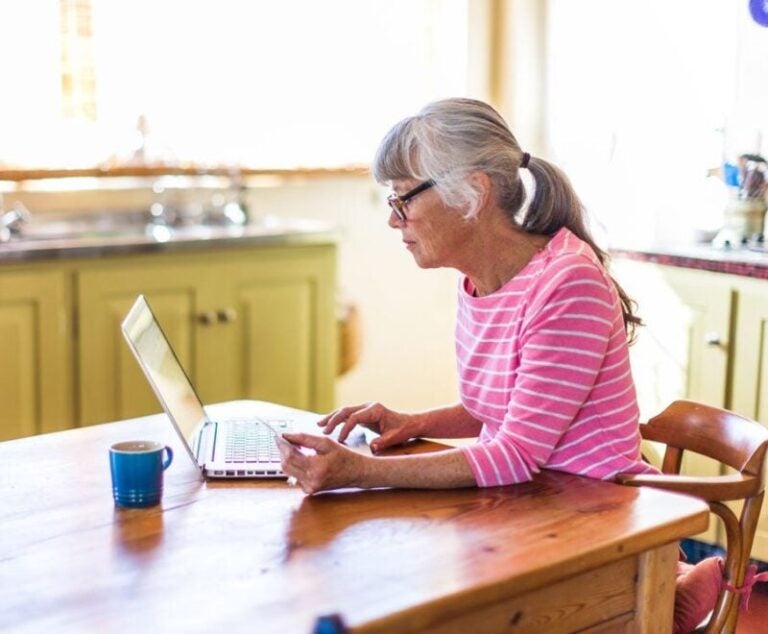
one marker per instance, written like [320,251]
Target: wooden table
[559,554]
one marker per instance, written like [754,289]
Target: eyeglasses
[397,203]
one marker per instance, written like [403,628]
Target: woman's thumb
[387,439]
[310,441]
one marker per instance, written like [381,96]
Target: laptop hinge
[206,441]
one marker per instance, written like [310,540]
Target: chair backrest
[735,441]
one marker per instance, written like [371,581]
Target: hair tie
[524,162]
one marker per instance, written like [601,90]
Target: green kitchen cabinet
[706,339]
[36,365]
[749,384]
[682,351]
[245,323]
[285,334]
[112,386]
[750,364]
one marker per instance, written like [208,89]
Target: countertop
[154,239]
[744,261]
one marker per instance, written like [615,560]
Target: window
[645,98]
[78,79]
[284,83]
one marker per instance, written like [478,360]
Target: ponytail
[556,205]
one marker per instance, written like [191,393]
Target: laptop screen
[164,372]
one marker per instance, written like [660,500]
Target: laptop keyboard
[250,441]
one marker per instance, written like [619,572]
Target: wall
[407,312]
[645,99]
[578,83]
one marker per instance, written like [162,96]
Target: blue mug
[137,472]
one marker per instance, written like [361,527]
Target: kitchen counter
[743,261]
[158,238]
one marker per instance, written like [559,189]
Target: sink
[152,232]
[127,227]
[85,226]
[108,226]
[67,231]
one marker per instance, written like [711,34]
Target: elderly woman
[541,331]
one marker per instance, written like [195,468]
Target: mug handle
[169,460]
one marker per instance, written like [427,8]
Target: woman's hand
[329,466]
[393,428]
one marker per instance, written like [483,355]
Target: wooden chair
[734,441]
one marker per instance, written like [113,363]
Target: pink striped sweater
[543,364]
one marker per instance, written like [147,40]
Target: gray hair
[450,139]
[446,141]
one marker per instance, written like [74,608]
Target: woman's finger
[319,444]
[321,463]
[325,420]
[330,422]
[368,416]
[293,467]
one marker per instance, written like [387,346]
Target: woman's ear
[483,186]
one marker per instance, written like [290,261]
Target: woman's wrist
[417,424]
[452,421]
[366,472]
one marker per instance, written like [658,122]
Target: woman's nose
[394,220]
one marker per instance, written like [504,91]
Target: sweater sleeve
[570,324]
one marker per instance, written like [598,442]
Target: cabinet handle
[206,318]
[713,339]
[226,315]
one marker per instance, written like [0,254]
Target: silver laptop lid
[165,374]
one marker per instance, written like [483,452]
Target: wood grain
[656,587]
[261,556]
[597,596]
[143,171]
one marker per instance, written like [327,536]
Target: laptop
[246,442]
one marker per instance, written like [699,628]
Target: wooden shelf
[141,171]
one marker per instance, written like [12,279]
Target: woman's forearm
[452,421]
[439,470]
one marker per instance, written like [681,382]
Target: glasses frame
[397,203]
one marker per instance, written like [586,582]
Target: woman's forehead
[402,185]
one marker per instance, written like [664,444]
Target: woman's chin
[424,263]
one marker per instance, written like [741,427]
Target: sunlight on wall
[278,84]
[640,110]
[408,314]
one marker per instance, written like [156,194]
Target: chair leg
[739,537]
[727,607]
[750,514]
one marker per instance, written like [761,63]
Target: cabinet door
[112,387]
[683,349]
[283,337]
[750,373]
[750,365]
[35,353]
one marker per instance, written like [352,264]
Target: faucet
[13,220]
[236,208]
